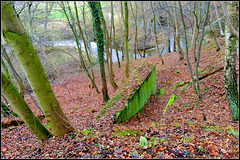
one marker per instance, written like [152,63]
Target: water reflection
[148,53]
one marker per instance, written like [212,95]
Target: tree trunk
[195,25]
[230,77]
[177,38]
[123,41]
[10,92]
[215,38]
[15,75]
[18,40]
[155,33]
[126,40]
[85,44]
[98,32]
[113,27]
[145,31]
[30,19]
[109,54]
[220,24]
[73,28]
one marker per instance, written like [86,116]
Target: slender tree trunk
[10,92]
[82,60]
[230,76]
[136,30]
[18,40]
[85,44]
[214,36]
[98,32]
[123,42]
[199,53]
[179,50]
[155,33]
[195,24]
[15,75]
[113,27]
[186,44]
[220,24]
[30,19]
[145,31]
[126,40]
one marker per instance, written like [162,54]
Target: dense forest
[119,79]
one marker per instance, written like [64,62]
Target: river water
[149,52]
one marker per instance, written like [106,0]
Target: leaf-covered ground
[188,129]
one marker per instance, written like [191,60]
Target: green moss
[137,100]
[118,132]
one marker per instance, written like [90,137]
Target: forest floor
[188,129]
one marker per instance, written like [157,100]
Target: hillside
[188,129]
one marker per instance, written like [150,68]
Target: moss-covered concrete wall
[139,98]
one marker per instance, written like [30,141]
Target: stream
[149,52]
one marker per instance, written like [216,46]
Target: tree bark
[220,24]
[113,27]
[230,76]
[126,40]
[155,33]
[20,106]
[18,40]
[85,44]
[177,38]
[145,31]
[109,54]
[98,32]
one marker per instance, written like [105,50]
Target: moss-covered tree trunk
[20,106]
[126,40]
[230,77]
[98,33]
[17,38]
[107,46]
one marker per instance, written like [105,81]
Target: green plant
[162,139]
[71,71]
[200,71]
[153,140]
[171,100]
[176,125]
[220,59]
[75,107]
[87,131]
[187,139]
[47,126]
[169,82]
[233,132]
[154,123]
[183,90]
[177,71]
[178,84]
[125,132]
[213,46]
[206,88]
[162,90]
[143,141]
[212,128]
